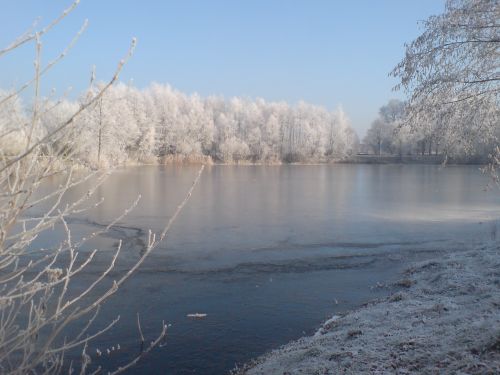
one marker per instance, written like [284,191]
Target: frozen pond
[269,252]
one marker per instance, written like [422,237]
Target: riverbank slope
[444,319]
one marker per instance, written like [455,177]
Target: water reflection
[265,250]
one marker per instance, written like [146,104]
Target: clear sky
[324,52]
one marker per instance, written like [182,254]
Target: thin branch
[26,38]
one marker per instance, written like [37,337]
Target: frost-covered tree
[345,140]
[47,318]
[66,142]
[393,111]
[451,75]
[127,124]
[13,123]
[110,129]
[392,114]
[379,136]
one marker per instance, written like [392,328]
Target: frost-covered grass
[444,318]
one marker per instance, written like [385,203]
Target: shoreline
[444,319]
[208,161]
[274,164]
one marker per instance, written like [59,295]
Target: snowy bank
[444,318]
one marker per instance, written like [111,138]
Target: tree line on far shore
[159,123]
[392,134]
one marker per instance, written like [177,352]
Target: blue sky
[324,52]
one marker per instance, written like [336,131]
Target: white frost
[446,319]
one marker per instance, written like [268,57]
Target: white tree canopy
[451,73]
[127,124]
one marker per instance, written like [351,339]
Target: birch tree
[451,73]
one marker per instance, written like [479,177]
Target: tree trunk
[99,143]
